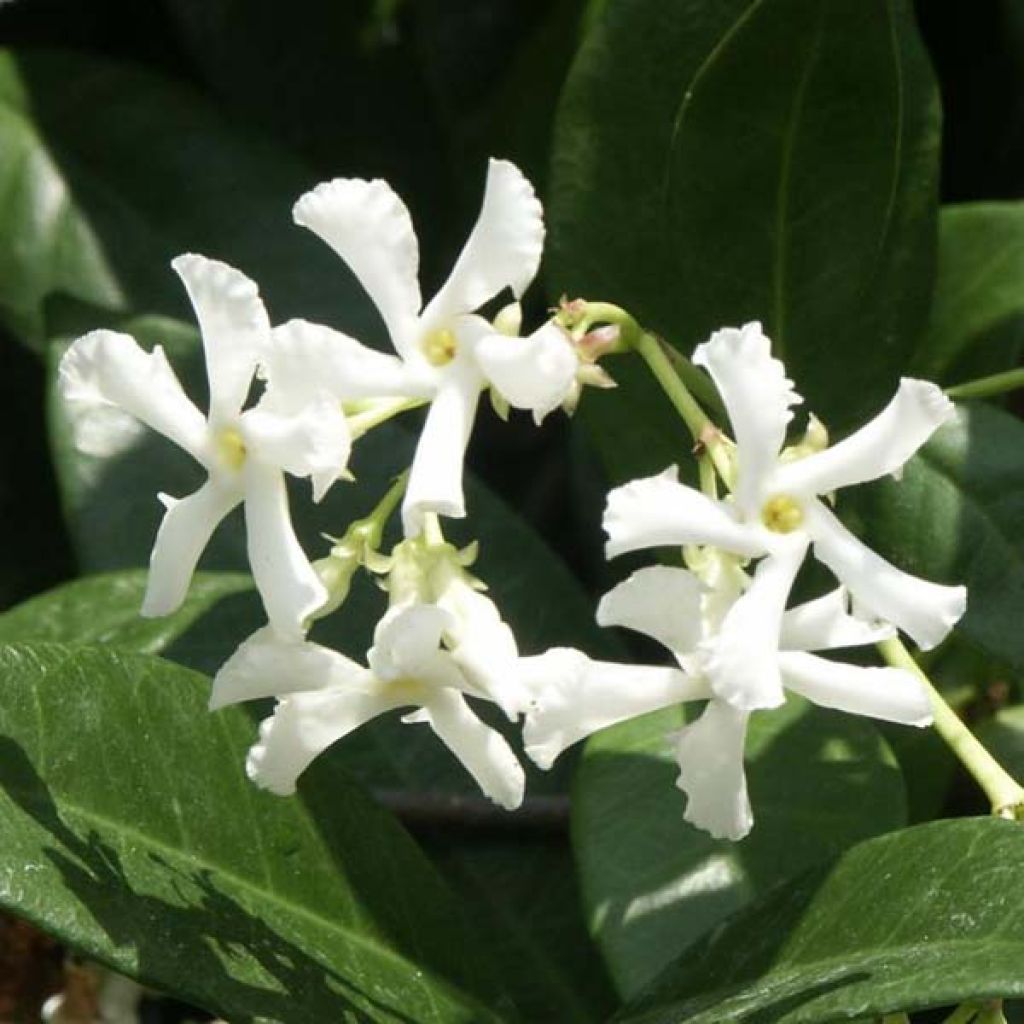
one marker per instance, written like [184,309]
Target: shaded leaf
[977,320]
[653,884]
[130,831]
[699,181]
[929,916]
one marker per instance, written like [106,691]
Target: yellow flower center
[231,448]
[407,690]
[440,347]
[782,514]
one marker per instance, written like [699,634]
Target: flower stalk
[1004,793]
[986,387]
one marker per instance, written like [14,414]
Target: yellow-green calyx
[231,448]
[782,514]
[815,440]
[440,347]
[422,571]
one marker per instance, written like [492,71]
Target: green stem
[985,387]
[963,1014]
[1004,793]
[384,508]
[704,432]
[380,412]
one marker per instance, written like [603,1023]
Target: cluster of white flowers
[441,639]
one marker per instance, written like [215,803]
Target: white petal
[575,697]
[314,441]
[369,227]
[305,357]
[710,757]
[758,398]
[269,665]
[288,584]
[104,368]
[925,611]
[435,480]
[503,249]
[306,724]
[881,446]
[886,693]
[482,751]
[660,601]
[483,646]
[826,622]
[406,646]
[741,658]
[658,510]
[183,535]
[234,326]
[535,373]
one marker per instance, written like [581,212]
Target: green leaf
[47,244]
[128,829]
[1003,734]
[104,609]
[701,181]
[929,916]
[653,884]
[977,320]
[955,518]
[152,171]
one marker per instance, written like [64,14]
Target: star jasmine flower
[575,696]
[776,512]
[446,353]
[479,640]
[323,696]
[245,454]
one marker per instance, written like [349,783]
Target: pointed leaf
[930,916]
[653,884]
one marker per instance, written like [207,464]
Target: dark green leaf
[523,893]
[47,244]
[718,161]
[819,782]
[1003,734]
[955,517]
[104,609]
[130,831]
[977,321]
[154,172]
[926,917]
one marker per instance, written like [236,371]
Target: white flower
[245,454]
[777,511]
[324,696]
[576,696]
[480,641]
[446,353]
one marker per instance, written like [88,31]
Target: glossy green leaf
[929,916]
[128,829]
[152,171]
[955,517]
[977,320]
[653,884]
[104,609]
[47,243]
[718,161]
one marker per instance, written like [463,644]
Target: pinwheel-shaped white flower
[447,353]
[479,640]
[245,454]
[576,696]
[776,511]
[324,696]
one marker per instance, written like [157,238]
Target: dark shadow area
[199,940]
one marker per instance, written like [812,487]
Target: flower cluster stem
[985,387]
[704,432]
[1005,793]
